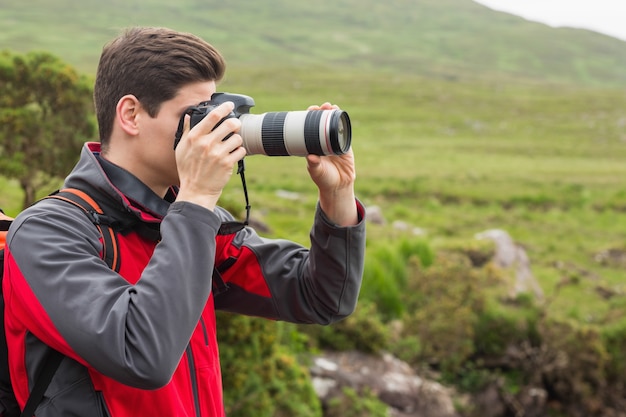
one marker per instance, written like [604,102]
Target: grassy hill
[457,39]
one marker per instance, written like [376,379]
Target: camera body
[197,113]
[243,104]
[293,133]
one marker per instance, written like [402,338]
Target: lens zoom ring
[272,134]
[312,139]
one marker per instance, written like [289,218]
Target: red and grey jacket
[142,342]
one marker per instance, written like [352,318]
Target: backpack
[8,403]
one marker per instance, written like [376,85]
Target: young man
[142,342]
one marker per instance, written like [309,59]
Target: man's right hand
[205,160]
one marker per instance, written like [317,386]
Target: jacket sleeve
[59,289]
[282,280]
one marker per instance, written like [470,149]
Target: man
[142,342]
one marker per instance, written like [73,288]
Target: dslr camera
[286,133]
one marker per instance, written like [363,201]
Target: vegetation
[262,375]
[46,113]
[431,38]
[463,120]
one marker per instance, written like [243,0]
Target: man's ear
[126,114]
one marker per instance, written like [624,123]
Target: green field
[545,163]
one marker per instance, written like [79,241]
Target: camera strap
[228,228]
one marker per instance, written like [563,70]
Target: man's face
[157,134]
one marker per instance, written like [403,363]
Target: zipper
[194,383]
[204,332]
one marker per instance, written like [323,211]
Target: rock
[374,215]
[405,227]
[392,380]
[287,195]
[612,257]
[508,254]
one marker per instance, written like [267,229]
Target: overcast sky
[604,16]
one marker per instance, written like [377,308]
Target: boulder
[510,255]
[392,380]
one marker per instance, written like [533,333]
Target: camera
[286,133]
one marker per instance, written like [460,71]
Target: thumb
[313,161]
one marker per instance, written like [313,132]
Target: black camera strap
[241,167]
[228,228]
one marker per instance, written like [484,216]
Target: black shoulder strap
[51,364]
[110,254]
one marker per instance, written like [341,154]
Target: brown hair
[152,64]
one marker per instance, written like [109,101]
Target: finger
[238,154]
[227,128]
[233,142]
[313,161]
[326,106]
[215,116]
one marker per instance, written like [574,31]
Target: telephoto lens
[296,133]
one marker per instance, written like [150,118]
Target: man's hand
[205,160]
[334,176]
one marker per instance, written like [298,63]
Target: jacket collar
[114,186]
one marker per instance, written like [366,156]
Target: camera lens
[296,133]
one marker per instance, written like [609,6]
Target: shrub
[442,302]
[573,363]
[381,288]
[260,377]
[363,331]
[354,404]
[614,337]
[385,274]
[499,326]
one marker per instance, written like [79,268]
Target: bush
[442,303]
[572,363]
[614,337]
[363,331]
[380,287]
[354,404]
[498,326]
[261,377]
[385,274]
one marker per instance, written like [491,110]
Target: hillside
[453,39]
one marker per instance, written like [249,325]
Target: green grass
[544,163]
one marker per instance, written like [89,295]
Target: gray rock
[392,380]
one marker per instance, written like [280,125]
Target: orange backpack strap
[110,254]
[110,251]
